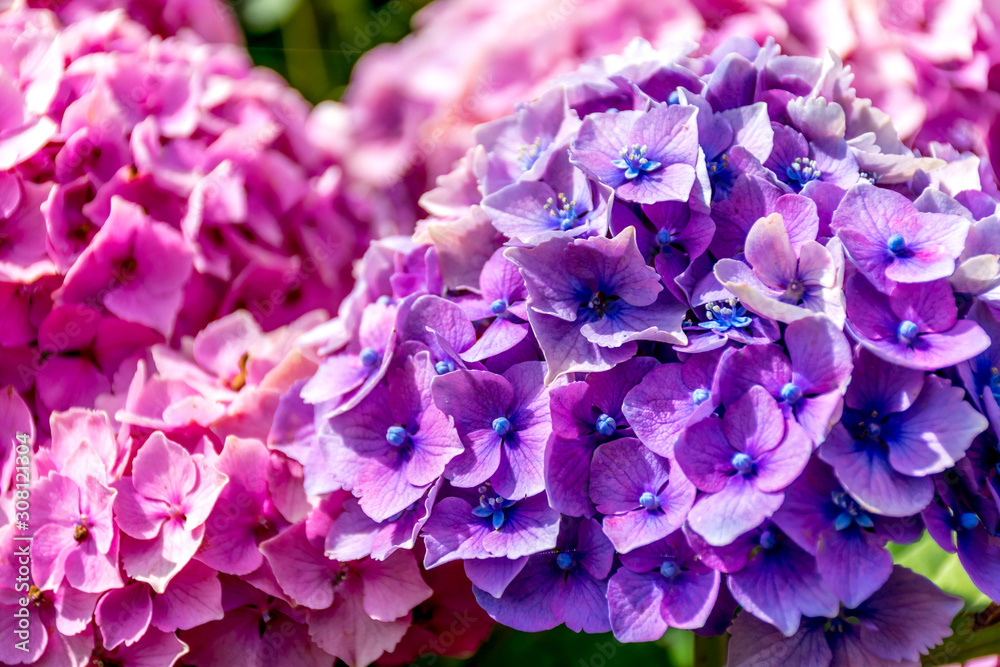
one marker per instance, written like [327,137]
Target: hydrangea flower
[646,156]
[742,462]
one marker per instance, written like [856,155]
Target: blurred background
[314,44]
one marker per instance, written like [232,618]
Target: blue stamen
[501,426]
[723,178]
[493,507]
[605,425]
[564,561]
[633,161]
[648,501]
[700,395]
[742,463]
[851,514]
[396,436]
[791,393]
[499,306]
[443,367]
[968,521]
[768,540]
[369,357]
[674,98]
[669,569]
[663,237]
[802,171]
[383,300]
[564,212]
[725,315]
[907,331]
[896,244]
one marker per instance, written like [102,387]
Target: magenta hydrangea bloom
[162,508]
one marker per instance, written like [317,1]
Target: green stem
[710,651]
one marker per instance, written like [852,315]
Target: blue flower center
[700,395]
[721,175]
[968,520]
[444,366]
[648,501]
[851,513]
[742,463]
[907,331]
[768,540]
[369,357]
[867,177]
[791,393]
[633,161]
[725,315]
[396,436]
[663,237]
[563,212]
[896,244]
[527,155]
[605,425]
[669,569]
[674,98]
[994,381]
[564,561]
[501,426]
[493,507]
[383,300]
[499,306]
[598,305]
[802,171]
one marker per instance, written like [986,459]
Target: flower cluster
[167,532]
[698,337]
[149,186]
[930,64]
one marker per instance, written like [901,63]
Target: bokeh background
[314,44]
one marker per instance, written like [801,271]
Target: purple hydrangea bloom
[488,527]
[808,384]
[671,234]
[847,541]
[670,398]
[504,298]
[564,202]
[907,616]
[783,282]
[565,584]
[798,162]
[395,443]
[915,326]
[646,156]
[591,299]
[771,577]
[642,496]
[899,427]
[586,414]
[742,463]
[890,240]
[662,585]
[503,421]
